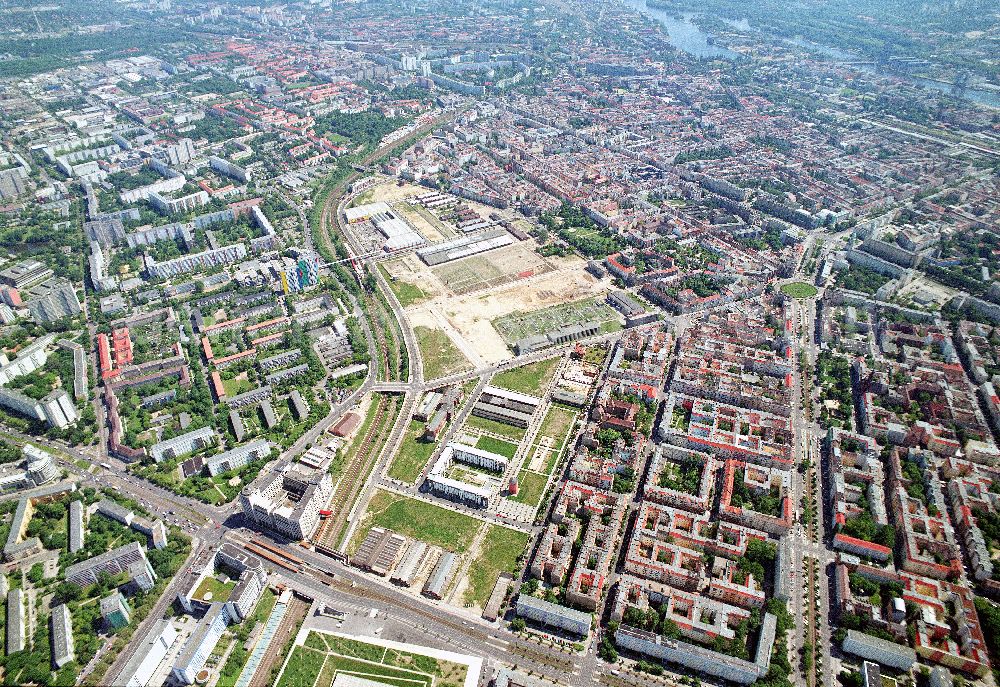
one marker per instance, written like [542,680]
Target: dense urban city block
[500,344]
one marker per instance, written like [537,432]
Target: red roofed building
[206,348]
[267,340]
[104,356]
[217,386]
[347,425]
[267,324]
[122,347]
[861,547]
[756,480]
[223,326]
[222,363]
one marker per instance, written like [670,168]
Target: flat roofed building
[299,406]
[130,558]
[200,644]
[15,549]
[510,399]
[236,423]
[509,678]
[457,490]
[115,610]
[879,650]
[267,413]
[470,455]
[16,636]
[501,414]
[699,658]
[553,615]
[181,445]
[62,636]
[115,511]
[75,526]
[52,300]
[235,458]
[25,274]
[492,610]
[289,502]
[148,655]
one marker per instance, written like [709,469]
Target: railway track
[353,479]
[382,339]
[296,613]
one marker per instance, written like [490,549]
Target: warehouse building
[509,407]
[379,551]
[566,334]
[464,246]
[437,582]
[406,572]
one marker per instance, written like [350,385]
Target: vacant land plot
[406,293]
[528,379]
[418,520]
[496,268]
[235,387]
[498,553]
[551,438]
[441,357]
[471,315]
[530,487]
[413,454]
[515,434]
[429,230]
[409,268]
[517,325]
[799,289]
[498,446]
[421,216]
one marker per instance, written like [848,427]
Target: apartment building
[288,502]
[129,558]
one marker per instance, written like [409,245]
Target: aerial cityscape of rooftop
[412,343]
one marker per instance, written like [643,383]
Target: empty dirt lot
[467,317]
